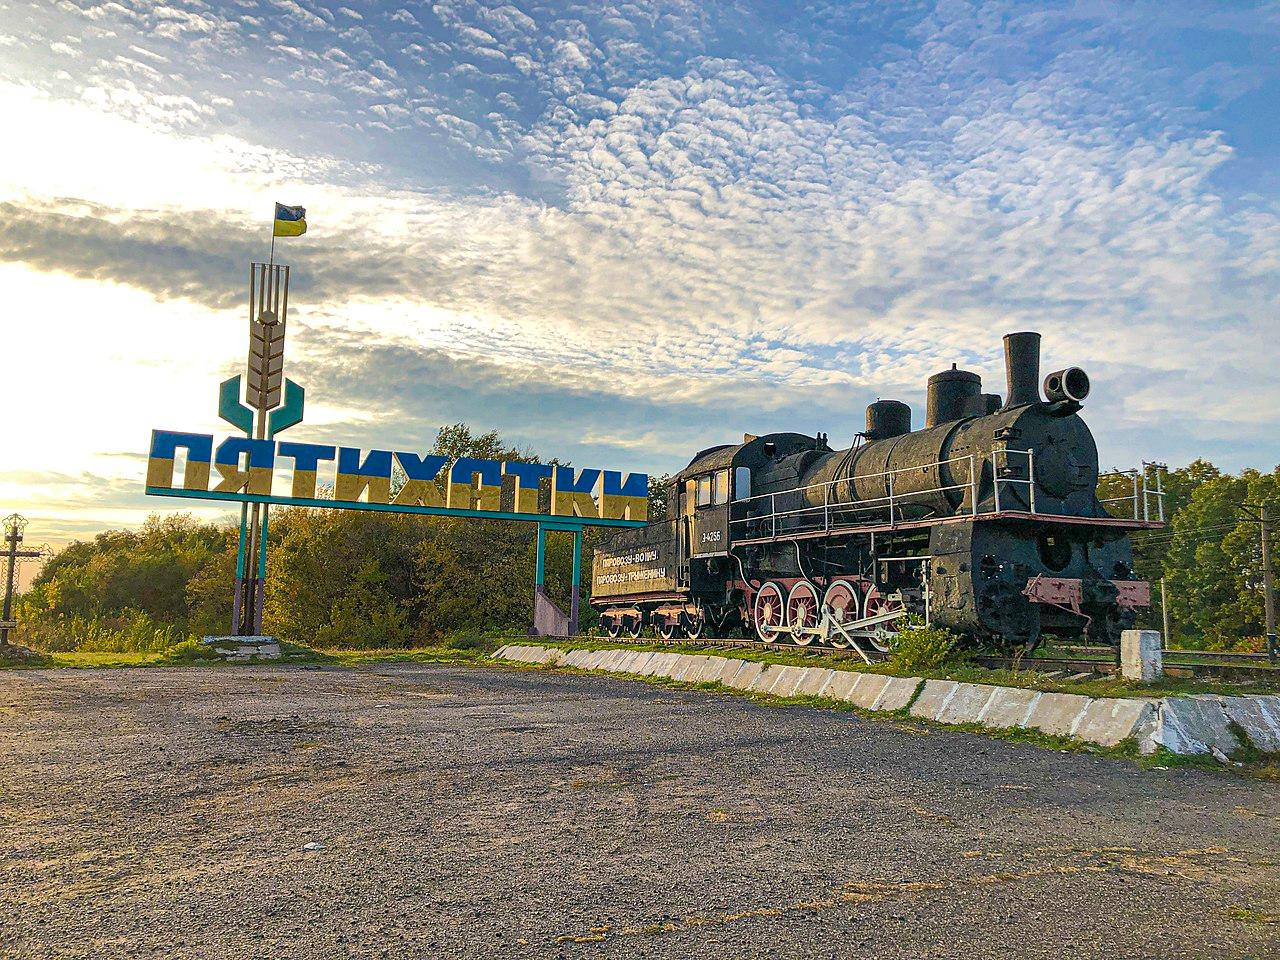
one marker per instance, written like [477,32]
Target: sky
[621,232]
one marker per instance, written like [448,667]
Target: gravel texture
[413,810]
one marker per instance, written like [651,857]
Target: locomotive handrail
[1143,493]
[793,519]
[1029,480]
[893,503]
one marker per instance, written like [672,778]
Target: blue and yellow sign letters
[241,468]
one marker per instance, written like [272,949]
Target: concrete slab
[744,676]
[647,668]
[690,666]
[815,680]
[673,665]
[1192,725]
[731,666]
[660,664]
[767,677]
[967,704]
[933,698]
[621,657]
[868,690]
[897,693]
[787,679]
[1109,721]
[711,670]
[1009,707]
[638,662]
[576,659]
[1057,713]
[624,662]
[605,659]
[842,685]
[1259,717]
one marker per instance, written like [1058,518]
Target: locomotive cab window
[703,497]
[720,491]
[741,483]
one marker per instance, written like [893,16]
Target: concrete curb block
[1258,717]
[1111,721]
[1204,724]
[746,675]
[897,693]
[1192,725]
[866,691]
[814,681]
[1058,714]
[935,695]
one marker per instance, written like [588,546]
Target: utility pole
[1263,516]
[1164,614]
[1268,587]
[13,527]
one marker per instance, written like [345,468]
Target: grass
[188,653]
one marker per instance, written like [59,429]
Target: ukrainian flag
[290,221]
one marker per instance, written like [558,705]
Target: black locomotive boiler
[986,521]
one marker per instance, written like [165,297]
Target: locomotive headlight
[1069,384]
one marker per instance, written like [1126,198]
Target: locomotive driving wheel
[770,612]
[693,626]
[802,611]
[842,601]
[874,604]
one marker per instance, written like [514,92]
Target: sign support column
[574,588]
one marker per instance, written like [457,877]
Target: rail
[1009,475]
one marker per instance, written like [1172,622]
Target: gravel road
[500,813]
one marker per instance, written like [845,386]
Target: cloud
[578,223]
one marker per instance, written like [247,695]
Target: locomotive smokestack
[1022,367]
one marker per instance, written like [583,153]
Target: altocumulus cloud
[709,217]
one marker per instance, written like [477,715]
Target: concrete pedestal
[1140,655]
[244,648]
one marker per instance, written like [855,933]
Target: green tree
[1213,562]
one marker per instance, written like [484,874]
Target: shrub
[190,650]
[921,648]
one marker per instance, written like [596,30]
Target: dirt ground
[455,811]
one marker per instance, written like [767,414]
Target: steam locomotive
[986,521]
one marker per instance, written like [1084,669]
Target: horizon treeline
[354,579]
